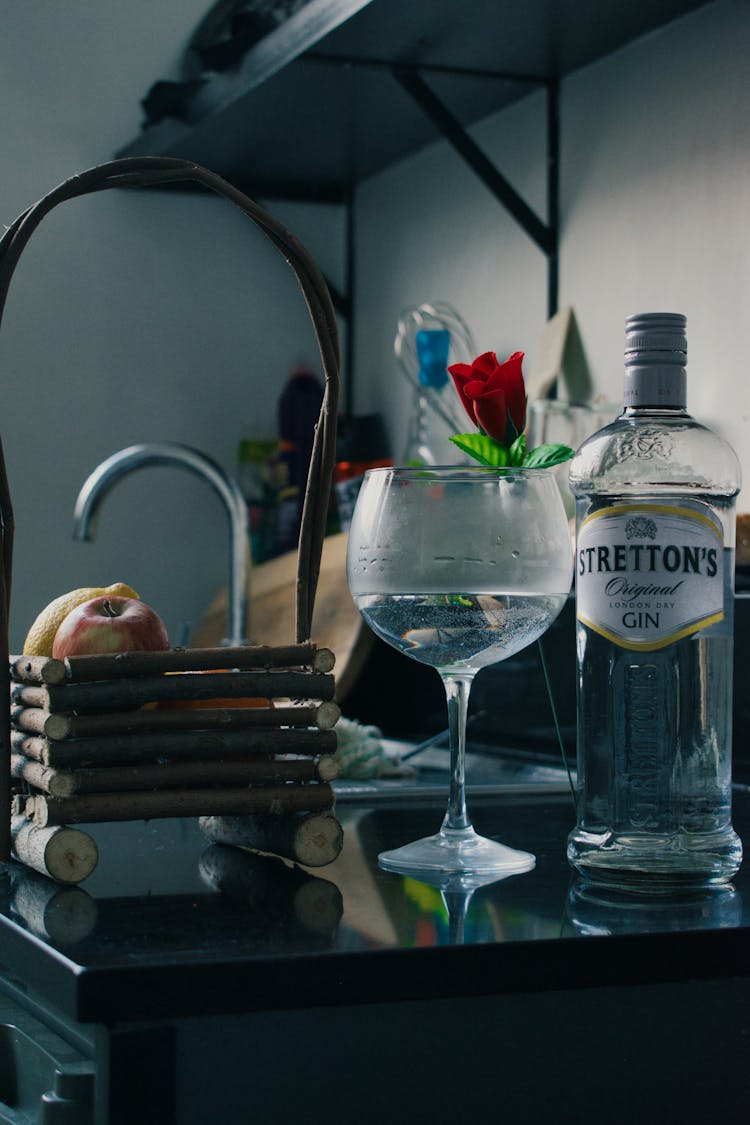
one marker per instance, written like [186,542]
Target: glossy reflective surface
[167,921]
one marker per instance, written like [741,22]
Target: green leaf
[483,449]
[518,450]
[546,455]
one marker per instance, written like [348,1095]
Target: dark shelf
[314,107]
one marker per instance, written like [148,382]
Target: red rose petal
[485,364]
[460,379]
[492,392]
[491,412]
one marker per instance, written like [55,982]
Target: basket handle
[152,171]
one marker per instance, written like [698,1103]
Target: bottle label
[649,574]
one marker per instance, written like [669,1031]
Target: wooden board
[337,624]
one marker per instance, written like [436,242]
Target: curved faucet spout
[101,480]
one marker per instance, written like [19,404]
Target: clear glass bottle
[655,523]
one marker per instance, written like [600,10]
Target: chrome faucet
[105,475]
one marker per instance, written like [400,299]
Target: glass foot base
[456,851]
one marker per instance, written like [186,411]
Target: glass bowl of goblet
[459,568]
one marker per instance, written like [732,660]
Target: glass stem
[457,690]
[457,905]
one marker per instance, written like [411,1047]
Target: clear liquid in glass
[459,632]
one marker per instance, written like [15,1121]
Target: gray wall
[133,316]
[655,186]
[166,317]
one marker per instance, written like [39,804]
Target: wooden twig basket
[142,735]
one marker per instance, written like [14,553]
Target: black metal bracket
[545,235]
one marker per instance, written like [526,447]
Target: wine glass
[459,568]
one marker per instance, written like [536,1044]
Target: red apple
[110,624]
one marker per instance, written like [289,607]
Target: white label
[649,574]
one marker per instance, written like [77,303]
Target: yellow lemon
[42,633]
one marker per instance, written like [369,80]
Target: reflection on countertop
[165,905]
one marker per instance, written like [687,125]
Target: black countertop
[169,926]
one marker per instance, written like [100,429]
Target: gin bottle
[655,521]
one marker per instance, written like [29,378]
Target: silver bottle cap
[655,359]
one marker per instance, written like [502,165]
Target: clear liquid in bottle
[655,500]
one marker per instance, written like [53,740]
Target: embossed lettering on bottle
[649,574]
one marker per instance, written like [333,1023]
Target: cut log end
[319,906]
[64,854]
[318,841]
[71,855]
[324,660]
[329,767]
[310,839]
[327,715]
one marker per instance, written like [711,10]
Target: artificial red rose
[493,394]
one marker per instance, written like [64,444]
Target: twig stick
[94,807]
[312,840]
[30,745]
[109,666]
[32,720]
[36,720]
[131,749]
[176,775]
[37,670]
[121,694]
[243,658]
[38,775]
[67,855]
